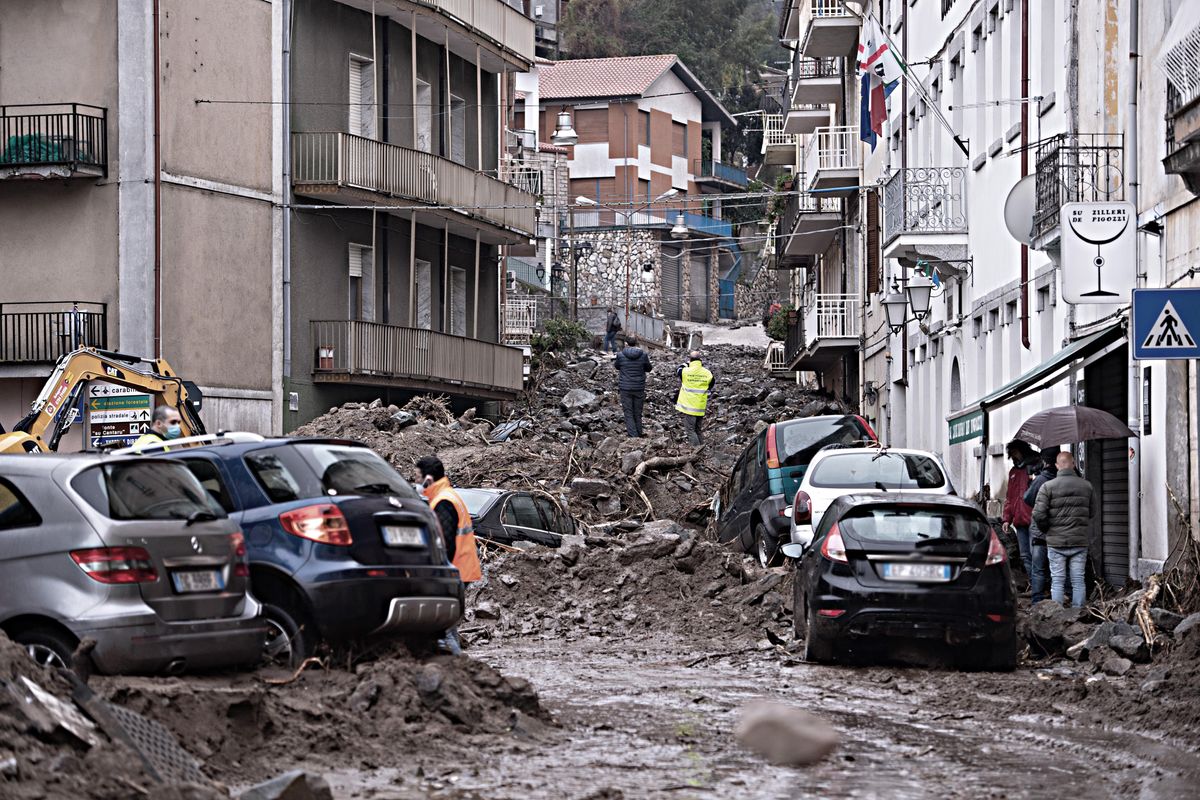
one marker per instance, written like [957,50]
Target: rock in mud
[1165,620]
[630,460]
[609,506]
[579,400]
[588,487]
[1047,623]
[486,610]
[296,785]
[1101,636]
[1132,647]
[785,735]
[1109,662]
[1190,622]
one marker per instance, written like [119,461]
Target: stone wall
[750,300]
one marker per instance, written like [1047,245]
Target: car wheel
[766,549]
[799,614]
[290,637]
[817,649]
[48,647]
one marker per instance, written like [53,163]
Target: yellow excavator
[56,407]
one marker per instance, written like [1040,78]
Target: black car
[509,516]
[917,567]
[750,506]
[340,546]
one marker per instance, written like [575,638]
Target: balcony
[370,353]
[804,118]
[817,81]
[823,28]
[831,327]
[807,227]
[1075,168]
[1183,139]
[719,175]
[778,147]
[831,159]
[506,35]
[41,333]
[355,171]
[60,140]
[925,216]
[608,219]
[520,319]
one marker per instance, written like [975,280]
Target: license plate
[403,536]
[208,580]
[939,573]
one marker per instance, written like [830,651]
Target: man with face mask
[165,425]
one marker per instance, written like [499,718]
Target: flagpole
[920,88]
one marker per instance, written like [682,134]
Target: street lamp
[680,230]
[564,133]
[917,294]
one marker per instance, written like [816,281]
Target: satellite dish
[1019,208]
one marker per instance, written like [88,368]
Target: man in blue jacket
[1039,574]
[632,365]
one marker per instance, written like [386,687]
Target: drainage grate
[158,747]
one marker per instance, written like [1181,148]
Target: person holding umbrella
[1064,510]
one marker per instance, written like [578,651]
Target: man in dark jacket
[632,365]
[1016,515]
[1039,563]
[612,326]
[1064,510]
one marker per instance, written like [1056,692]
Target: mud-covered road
[654,719]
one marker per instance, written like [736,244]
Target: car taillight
[116,564]
[802,509]
[996,552]
[237,543]
[322,523]
[772,449]
[833,547]
[867,426]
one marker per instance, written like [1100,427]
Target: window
[866,469]
[353,470]
[362,96]
[522,513]
[15,510]
[458,302]
[1043,299]
[976,326]
[908,524]
[423,277]
[210,478]
[557,520]
[993,319]
[799,440]
[423,116]
[145,490]
[362,283]
[1010,312]
[644,116]
[458,129]
[678,139]
[274,477]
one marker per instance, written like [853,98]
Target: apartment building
[1030,89]
[140,196]
[646,178]
[297,203]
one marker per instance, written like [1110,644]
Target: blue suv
[340,546]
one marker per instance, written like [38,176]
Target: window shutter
[356,261]
[362,97]
[873,254]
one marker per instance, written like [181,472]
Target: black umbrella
[1069,424]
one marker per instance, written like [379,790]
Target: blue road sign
[1166,323]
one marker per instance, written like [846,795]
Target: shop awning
[969,422]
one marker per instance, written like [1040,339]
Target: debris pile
[567,436]
[664,577]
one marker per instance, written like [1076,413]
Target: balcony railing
[60,140]
[494,19]
[526,177]
[40,333]
[371,350]
[832,316]
[707,168]
[806,10]
[343,160]
[831,148]
[806,68]
[773,135]
[1076,168]
[925,200]
[520,319]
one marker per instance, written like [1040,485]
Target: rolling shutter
[672,283]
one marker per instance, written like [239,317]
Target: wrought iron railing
[54,140]
[804,68]
[40,333]
[707,168]
[375,350]
[1076,168]
[925,200]
[831,148]
[343,160]
[797,206]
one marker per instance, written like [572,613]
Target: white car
[837,470]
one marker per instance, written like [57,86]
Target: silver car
[131,552]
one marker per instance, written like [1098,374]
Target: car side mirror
[793,550]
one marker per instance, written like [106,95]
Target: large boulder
[786,735]
[589,487]
[1131,646]
[1190,622]
[1101,637]
[1047,624]
[579,400]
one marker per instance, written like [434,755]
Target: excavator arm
[54,410]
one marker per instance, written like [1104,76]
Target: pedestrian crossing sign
[1166,323]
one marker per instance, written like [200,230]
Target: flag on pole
[880,68]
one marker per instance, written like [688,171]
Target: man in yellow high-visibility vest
[694,384]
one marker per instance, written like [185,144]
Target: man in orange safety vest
[458,531]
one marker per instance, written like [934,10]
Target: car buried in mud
[129,552]
[506,517]
[341,547]
[886,568]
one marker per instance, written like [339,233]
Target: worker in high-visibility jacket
[695,382]
[458,531]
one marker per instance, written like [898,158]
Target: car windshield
[478,501]
[914,524]
[872,469]
[146,490]
[353,470]
[800,440]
